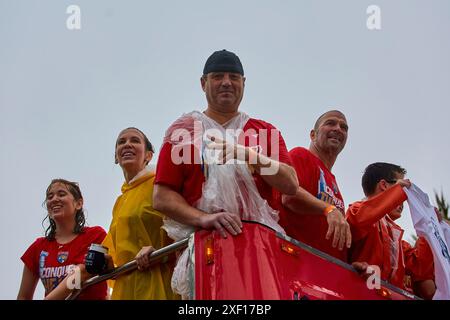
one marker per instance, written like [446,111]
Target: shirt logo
[42,256]
[335,188]
[327,194]
[62,256]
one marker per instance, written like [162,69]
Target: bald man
[317,216]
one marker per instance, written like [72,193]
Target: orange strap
[328,209]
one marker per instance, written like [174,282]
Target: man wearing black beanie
[184,178]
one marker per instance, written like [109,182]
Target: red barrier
[260,264]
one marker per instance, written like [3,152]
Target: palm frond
[442,204]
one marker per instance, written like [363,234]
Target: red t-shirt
[314,177]
[51,261]
[419,260]
[187,178]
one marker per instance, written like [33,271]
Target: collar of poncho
[141,177]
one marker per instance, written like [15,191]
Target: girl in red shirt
[66,242]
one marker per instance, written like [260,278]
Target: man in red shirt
[377,239]
[316,217]
[183,168]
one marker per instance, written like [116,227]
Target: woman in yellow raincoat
[135,229]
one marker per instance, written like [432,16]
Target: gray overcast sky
[65,95]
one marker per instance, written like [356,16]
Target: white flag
[427,225]
[446,229]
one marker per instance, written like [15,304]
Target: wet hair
[316,125]
[148,144]
[80,218]
[378,171]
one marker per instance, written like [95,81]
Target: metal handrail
[129,266]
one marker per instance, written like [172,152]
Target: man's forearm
[173,205]
[304,203]
[277,174]
[372,210]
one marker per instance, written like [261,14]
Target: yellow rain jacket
[136,224]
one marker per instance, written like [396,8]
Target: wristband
[328,209]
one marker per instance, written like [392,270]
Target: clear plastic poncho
[228,187]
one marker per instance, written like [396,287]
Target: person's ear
[312,134]
[203,82]
[116,161]
[382,184]
[148,157]
[79,204]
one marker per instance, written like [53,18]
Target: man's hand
[276,174]
[222,222]
[231,151]
[341,229]
[143,258]
[361,268]
[404,183]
